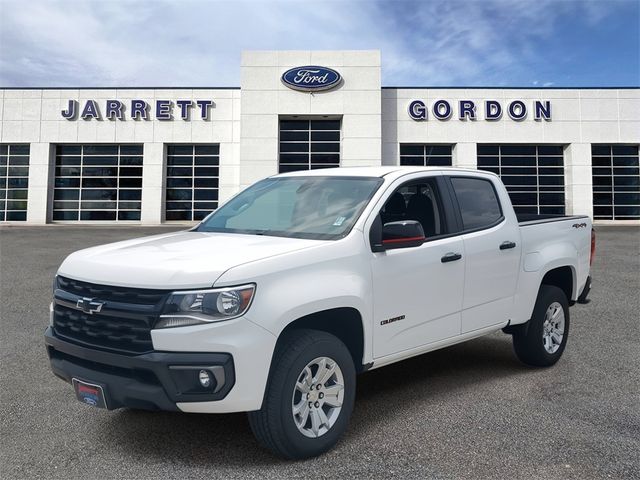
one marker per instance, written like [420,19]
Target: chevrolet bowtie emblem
[89,305]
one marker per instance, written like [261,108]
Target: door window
[478,201]
[419,201]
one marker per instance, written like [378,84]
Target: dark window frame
[128,178]
[600,188]
[424,155]
[500,159]
[11,184]
[310,150]
[194,175]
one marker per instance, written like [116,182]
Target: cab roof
[392,171]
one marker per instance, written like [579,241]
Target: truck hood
[175,260]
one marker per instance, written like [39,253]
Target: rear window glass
[479,205]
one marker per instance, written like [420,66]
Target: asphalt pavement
[468,411]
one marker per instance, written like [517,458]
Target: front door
[417,292]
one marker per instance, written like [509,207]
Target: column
[577,179]
[41,169]
[465,155]
[153,179]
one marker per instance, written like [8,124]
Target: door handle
[451,257]
[507,245]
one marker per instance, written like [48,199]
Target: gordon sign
[311,78]
[489,110]
[136,109]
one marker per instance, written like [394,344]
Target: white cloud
[198,43]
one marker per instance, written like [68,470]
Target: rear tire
[541,342]
[309,396]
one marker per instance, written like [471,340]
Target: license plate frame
[89,393]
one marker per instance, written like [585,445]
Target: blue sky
[424,43]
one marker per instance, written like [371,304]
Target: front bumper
[249,346]
[151,381]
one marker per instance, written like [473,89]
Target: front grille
[139,296]
[123,323]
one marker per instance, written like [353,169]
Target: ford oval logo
[311,78]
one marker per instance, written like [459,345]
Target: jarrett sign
[490,110]
[137,109]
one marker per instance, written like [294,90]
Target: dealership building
[155,155]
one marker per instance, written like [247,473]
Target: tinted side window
[479,205]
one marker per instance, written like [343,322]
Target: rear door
[491,250]
[417,296]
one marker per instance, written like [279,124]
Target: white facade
[374,122]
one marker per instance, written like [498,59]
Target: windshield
[323,208]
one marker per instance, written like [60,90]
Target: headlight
[205,306]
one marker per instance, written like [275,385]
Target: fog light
[205,378]
[198,379]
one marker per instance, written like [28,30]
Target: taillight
[593,246]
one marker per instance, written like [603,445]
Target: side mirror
[403,234]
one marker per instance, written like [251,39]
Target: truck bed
[549,240]
[532,218]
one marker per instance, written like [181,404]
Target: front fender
[332,275]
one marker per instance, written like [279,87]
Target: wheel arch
[563,277]
[344,323]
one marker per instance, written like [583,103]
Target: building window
[533,175]
[98,182]
[309,144]
[616,182]
[192,181]
[14,182]
[425,155]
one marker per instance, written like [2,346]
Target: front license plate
[89,393]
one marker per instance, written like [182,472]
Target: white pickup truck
[274,302]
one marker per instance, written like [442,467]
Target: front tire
[541,342]
[309,397]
